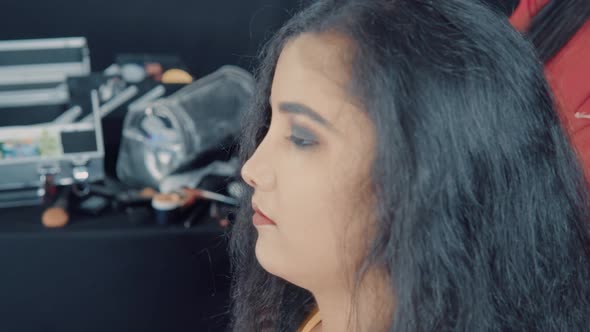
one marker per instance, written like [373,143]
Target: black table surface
[110,273]
[113,272]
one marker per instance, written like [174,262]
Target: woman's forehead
[315,69]
[328,54]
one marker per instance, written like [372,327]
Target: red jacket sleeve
[524,13]
[580,139]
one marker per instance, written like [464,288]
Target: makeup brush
[197,194]
[57,215]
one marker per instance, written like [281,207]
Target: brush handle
[218,197]
[63,199]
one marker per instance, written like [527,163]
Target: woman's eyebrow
[301,109]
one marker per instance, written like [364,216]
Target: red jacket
[568,74]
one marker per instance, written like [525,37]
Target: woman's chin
[268,256]
[263,254]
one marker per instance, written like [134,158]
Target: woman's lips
[259,219]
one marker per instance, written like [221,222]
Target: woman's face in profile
[311,173]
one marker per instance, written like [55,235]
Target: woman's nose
[258,172]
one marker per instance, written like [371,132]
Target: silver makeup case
[43,139]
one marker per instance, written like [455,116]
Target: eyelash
[302,143]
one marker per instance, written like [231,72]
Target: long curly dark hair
[481,216]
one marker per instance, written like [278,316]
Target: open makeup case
[50,133]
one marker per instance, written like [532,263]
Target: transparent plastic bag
[170,133]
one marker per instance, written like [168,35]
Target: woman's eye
[302,137]
[302,142]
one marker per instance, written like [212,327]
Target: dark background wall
[205,33]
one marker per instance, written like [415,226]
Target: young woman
[406,171]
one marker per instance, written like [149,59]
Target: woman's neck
[369,310]
[335,309]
